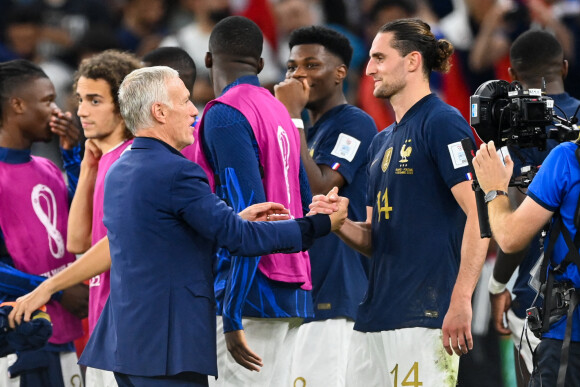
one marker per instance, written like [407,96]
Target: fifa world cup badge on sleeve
[457,155]
[346,147]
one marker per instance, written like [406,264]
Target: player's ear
[414,61]
[208,60]
[159,112]
[513,74]
[340,72]
[260,65]
[17,105]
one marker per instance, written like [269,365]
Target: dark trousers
[184,379]
[548,355]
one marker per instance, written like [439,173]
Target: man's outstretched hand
[266,211]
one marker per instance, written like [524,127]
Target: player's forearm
[473,254]
[319,184]
[357,235]
[80,220]
[95,261]
[243,271]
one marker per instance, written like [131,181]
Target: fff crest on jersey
[405,152]
[386,159]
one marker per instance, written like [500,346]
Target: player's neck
[323,106]
[106,144]
[407,98]
[554,88]
[12,138]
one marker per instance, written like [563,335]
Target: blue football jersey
[340,139]
[417,225]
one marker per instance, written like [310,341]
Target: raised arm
[294,95]
[80,220]
[513,230]
[64,126]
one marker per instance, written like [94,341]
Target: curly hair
[112,66]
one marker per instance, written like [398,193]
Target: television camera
[511,116]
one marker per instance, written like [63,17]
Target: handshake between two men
[330,204]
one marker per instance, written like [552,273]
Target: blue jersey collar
[246,79]
[15,156]
[415,108]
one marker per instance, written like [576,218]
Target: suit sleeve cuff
[313,227]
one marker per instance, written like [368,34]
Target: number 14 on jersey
[383,205]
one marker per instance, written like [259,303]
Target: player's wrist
[230,324]
[48,287]
[494,286]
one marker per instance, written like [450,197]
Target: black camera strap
[565,352]
[547,279]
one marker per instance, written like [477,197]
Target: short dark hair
[415,35]
[535,54]
[176,58]
[236,36]
[111,66]
[331,40]
[14,75]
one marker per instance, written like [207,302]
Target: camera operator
[554,190]
[534,55]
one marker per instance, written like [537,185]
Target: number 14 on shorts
[411,378]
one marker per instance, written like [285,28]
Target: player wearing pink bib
[96,84]
[33,216]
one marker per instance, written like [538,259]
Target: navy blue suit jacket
[163,226]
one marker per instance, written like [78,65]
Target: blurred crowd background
[58,34]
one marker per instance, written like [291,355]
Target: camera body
[507,114]
[534,316]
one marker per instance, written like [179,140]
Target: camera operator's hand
[500,304]
[491,172]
